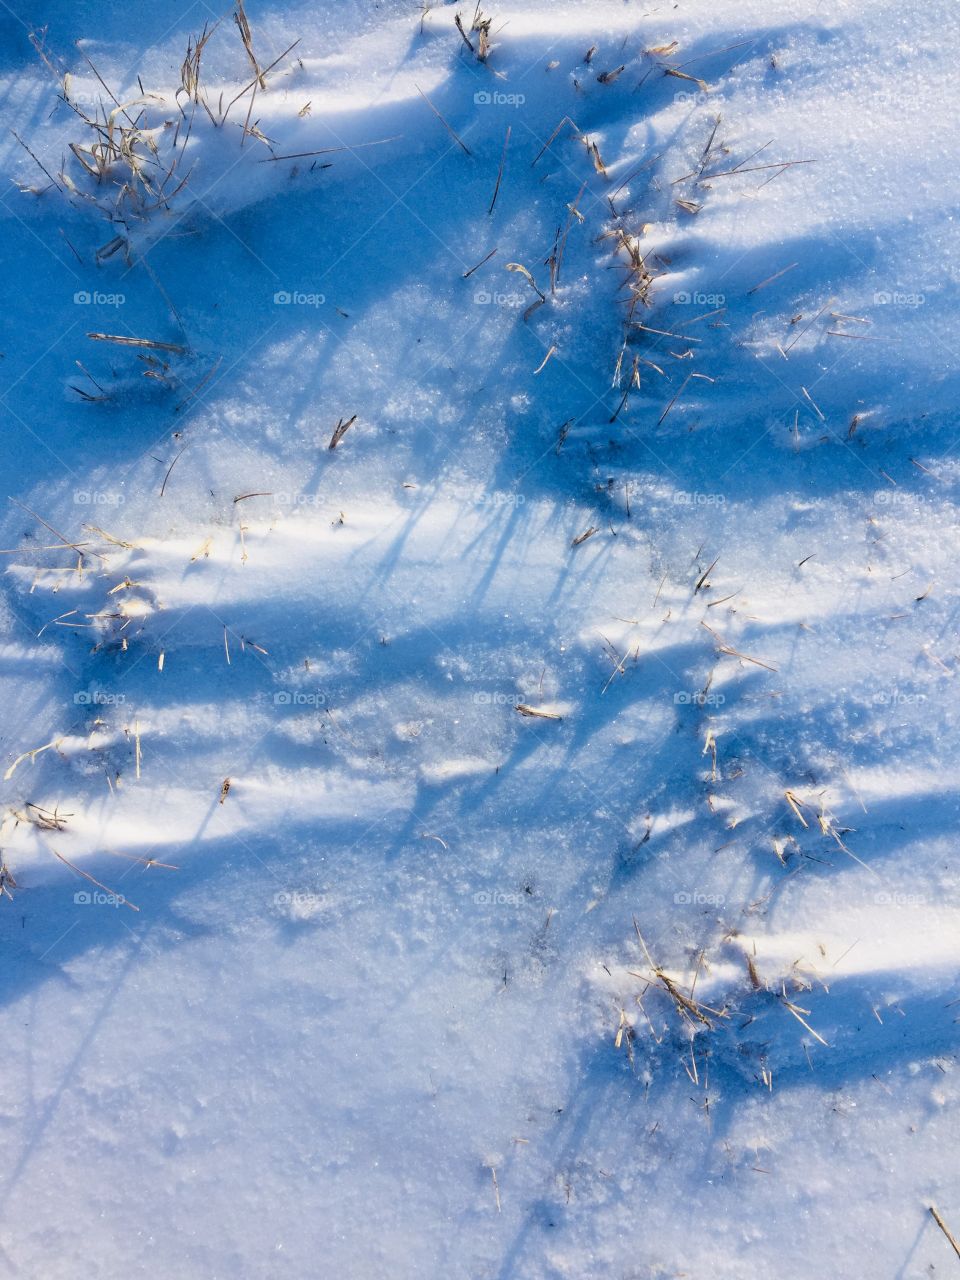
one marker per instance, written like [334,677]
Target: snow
[323,954]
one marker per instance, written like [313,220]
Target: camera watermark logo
[484,698]
[694,898]
[97,898]
[299,698]
[297,298]
[485,499]
[699,499]
[93,298]
[97,498]
[494,898]
[300,900]
[892,899]
[896,498]
[897,298]
[98,698]
[494,98]
[486,298]
[297,499]
[898,698]
[683,298]
[697,698]
[81,97]
[698,99]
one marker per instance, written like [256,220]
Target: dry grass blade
[683,385]
[594,152]
[458,22]
[770,279]
[790,345]
[735,653]
[112,96]
[702,580]
[582,537]
[555,260]
[31,756]
[757,168]
[797,1013]
[74,546]
[682,75]
[795,802]
[619,663]
[37,42]
[683,1002]
[566,120]
[93,880]
[117,542]
[191,395]
[52,546]
[326,151]
[253,83]
[38,162]
[243,26]
[123,341]
[503,159]
[541,296]
[45,819]
[810,400]
[685,1005]
[525,710]
[518,266]
[468,274]
[453,134]
[945,1229]
[143,862]
[7,881]
[340,430]
[163,487]
[480,27]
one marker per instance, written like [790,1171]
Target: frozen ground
[320,956]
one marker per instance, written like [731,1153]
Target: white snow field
[518,842]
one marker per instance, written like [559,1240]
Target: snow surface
[371,972]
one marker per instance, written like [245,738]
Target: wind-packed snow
[520,840]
